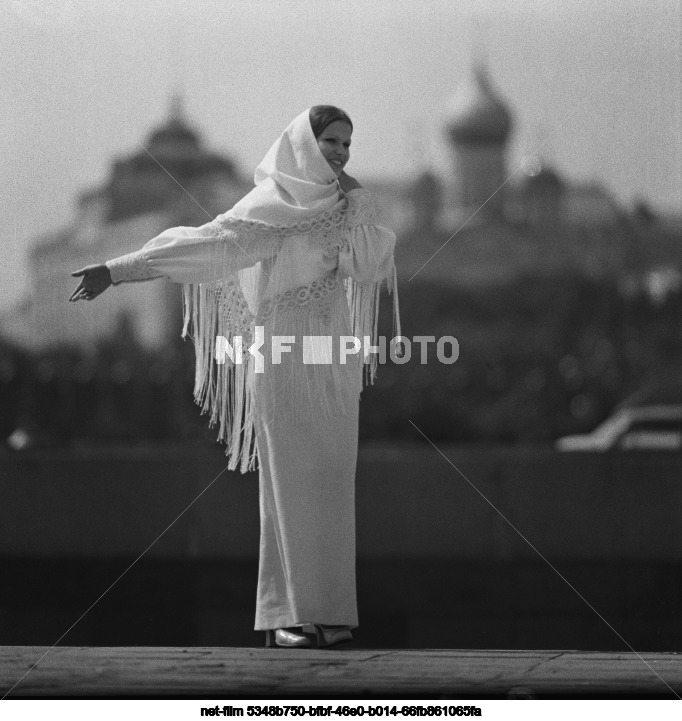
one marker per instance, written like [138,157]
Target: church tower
[478,126]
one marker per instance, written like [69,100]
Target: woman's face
[334,142]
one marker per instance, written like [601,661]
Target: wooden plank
[96,672]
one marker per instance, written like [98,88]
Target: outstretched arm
[186,255]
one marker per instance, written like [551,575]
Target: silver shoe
[284,638]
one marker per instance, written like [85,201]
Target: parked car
[650,427]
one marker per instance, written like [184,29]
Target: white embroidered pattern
[233,307]
[360,210]
[315,293]
[333,237]
[327,231]
[130,267]
[255,229]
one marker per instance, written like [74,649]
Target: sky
[595,87]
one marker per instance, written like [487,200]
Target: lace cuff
[130,268]
[361,210]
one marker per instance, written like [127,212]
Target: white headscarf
[294,182]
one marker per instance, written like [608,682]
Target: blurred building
[482,222]
[172,180]
[477,223]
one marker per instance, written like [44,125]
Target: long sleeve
[367,257]
[196,255]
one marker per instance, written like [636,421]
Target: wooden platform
[219,673]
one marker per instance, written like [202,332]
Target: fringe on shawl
[363,303]
[222,390]
[227,391]
[311,382]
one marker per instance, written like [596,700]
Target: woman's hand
[347,182]
[96,279]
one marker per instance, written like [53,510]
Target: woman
[290,270]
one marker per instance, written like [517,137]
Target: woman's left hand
[96,279]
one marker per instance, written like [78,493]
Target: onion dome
[175,138]
[175,133]
[476,113]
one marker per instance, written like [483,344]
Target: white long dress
[297,418]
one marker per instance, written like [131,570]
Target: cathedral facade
[172,180]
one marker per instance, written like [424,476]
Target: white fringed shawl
[234,306]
